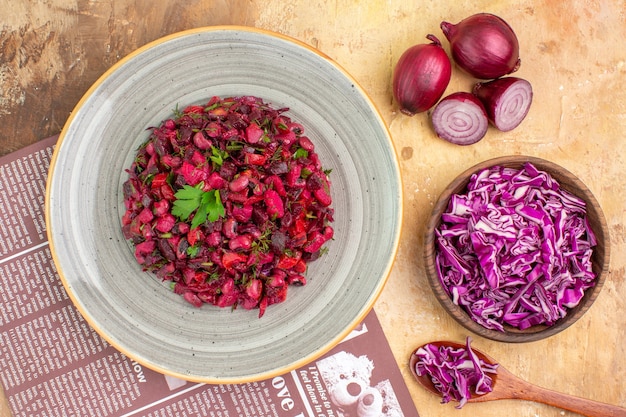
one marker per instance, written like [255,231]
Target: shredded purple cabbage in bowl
[516,249]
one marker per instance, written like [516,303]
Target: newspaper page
[52,363]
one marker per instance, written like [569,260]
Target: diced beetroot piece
[274,204]
[165,223]
[147,233]
[144,248]
[189,276]
[171,161]
[169,124]
[264,258]
[158,180]
[246,302]
[315,242]
[229,259]
[277,184]
[201,141]
[191,174]
[279,167]
[167,193]
[167,251]
[181,228]
[126,218]
[254,289]
[299,267]
[216,257]
[257,187]
[152,166]
[240,243]
[251,201]
[229,228]
[166,270]
[254,133]
[194,236]
[299,239]
[306,144]
[214,130]
[192,298]
[296,279]
[208,296]
[227,300]
[288,262]
[214,239]
[296,128]
[276,295]
[254,159]
[277,280]
[193,109]
[287,139]
[161,207]
[181,249]
[230,133]
[228,287]
[150,148]
[293,175]
[198,158]
[281,124]
[242,214]
[145,216]
[323,197]
[239,184]
[240,197]
[216,182]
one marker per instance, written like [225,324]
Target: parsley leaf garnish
[206,205]
[300,153]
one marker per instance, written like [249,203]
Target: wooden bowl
[600,257]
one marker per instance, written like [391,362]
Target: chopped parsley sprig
[205,204]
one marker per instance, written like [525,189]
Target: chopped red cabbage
[457,373]
[515,248]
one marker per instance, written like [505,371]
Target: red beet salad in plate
[229,202]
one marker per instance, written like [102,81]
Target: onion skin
[421,76]
[506,100]
[460,118]
[483,45]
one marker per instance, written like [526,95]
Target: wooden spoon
[508,386]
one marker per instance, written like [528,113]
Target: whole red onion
[483,45]
[421,76]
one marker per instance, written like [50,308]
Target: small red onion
[506,100]
[421,77]
[460,118]
[483,45]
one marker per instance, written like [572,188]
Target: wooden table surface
[572,52]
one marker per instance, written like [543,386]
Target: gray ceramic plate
[133,310]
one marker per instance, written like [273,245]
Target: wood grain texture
[50,54]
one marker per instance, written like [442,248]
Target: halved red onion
[460,118]
[506,100]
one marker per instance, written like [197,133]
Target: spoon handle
[589,408]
